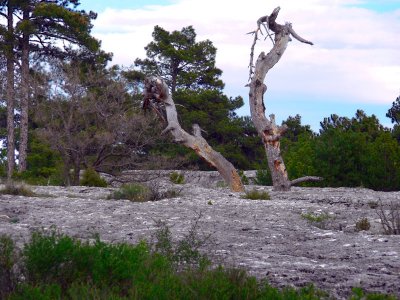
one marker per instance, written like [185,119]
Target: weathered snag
[269,132]
[158,98]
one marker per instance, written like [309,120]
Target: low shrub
[91,178]
[257,195]
[177,178]
[363,224]
[135,192]
[17,189]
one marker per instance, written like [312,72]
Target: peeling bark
[157,97]
[269,132]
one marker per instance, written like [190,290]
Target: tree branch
[156,91]
[306,178]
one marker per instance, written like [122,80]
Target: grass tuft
[257,195]
[177,178]
[135,192]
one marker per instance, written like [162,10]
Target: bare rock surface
[268,238]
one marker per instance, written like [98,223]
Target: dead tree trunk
[157,96]
[267,128]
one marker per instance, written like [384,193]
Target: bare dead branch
[157,90]
[268,130]
[305,178]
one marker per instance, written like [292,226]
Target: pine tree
[41,25]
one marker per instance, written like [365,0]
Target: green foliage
[257,195]
[183,62]
[347,152]
[44,165]
[17,189]
[75,269]
[263,177]
[243,177]
[394,112]
[188,67]
[135,192]
[7,261]
[91,178]
[177,178]
[359,294]
[363,224]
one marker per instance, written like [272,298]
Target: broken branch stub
[269,132]
[157,96]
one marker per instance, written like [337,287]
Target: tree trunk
[10,93]
[158,97]
[269,132]
[23,147]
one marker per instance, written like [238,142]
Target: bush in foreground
[72,269]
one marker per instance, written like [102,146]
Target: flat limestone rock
[273,239]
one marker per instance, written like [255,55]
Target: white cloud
[355,58]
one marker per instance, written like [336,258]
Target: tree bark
[269,132]
[157,96]
[24,126]
[10,93]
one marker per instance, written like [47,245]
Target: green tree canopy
[188,67]
[181,61]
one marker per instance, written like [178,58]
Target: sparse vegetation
[17,189]
[319,220]
[390,218]
[138,192]
[135,192]
[177,178]
[91,178]
[257,195]
[363,224]
[221,184]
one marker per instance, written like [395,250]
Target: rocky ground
[281,239]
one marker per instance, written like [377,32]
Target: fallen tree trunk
[269,132]
[157,96]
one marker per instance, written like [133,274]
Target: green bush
[257,195]
[7,261]
[74,269]
[177,178]
[263,177]
[135,192]
[91,178]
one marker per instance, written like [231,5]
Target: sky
[354,63]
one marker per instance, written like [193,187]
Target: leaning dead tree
[267,128]
[158,98]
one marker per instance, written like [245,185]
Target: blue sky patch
[381,6]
